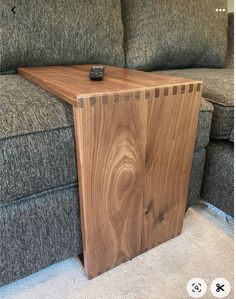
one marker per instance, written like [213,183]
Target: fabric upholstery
[202,140]
[230,49]
[218,182]
[231,137]
[36,162]
[222,122]
[37,149]
[27,108]
[218,89]
[60,32]
[197,171]
[174,34]
[38,231]
[36,140]
[204,125]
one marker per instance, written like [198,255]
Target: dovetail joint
[116,98]
[191,88]
[93,101]
[137,95]
[127,97]
[147,94]
[105,99]
[81,103]
[157,93]
[174,90]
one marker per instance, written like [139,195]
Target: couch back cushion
[229,63]
[174,33]
[43,32]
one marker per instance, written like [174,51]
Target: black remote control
[97,73]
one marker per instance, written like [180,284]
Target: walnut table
[135,135]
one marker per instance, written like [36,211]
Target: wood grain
[110,151]
[135,135]
[170,138]
[135,157]
[72,82]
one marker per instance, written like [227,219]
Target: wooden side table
[135,135]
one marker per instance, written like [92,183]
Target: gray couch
[218,181]
[39,209]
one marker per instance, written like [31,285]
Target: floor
[204,250]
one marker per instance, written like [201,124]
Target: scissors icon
[219,287]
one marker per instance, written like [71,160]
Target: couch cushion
[204,125]
[38,231]
[36,140]
[171,34]
[218,89]
[26,108]
[60,32]
[37,150]
[230,49]
[218,182]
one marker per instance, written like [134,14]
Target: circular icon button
[220,288]
[196,287]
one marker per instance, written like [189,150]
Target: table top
[72,82]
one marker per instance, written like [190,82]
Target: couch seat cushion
[36,140]
[26,108]
[218,89]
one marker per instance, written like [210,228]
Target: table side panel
[171,133]
[110,151]
[134,153]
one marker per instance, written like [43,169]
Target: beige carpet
[204,249]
